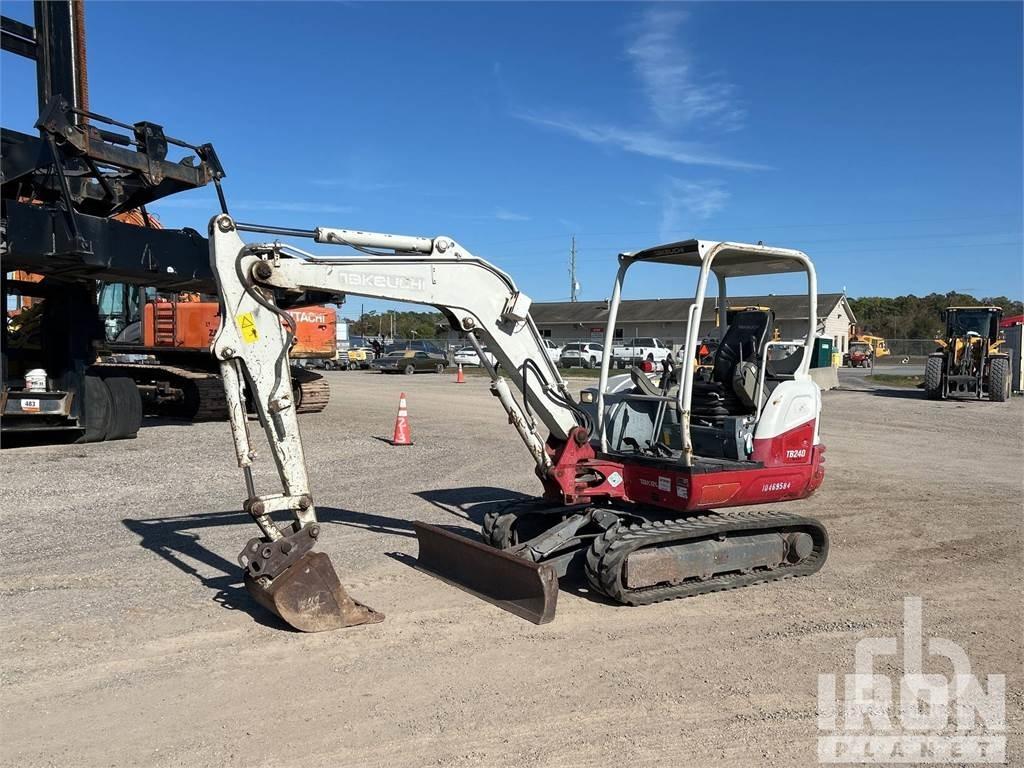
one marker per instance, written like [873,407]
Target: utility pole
[573,285]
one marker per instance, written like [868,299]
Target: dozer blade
[309,597]
[522,587]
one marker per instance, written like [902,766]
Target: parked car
[639,349]
[585,355]
[554,351]
[410,361]
[468,356]
[418,345]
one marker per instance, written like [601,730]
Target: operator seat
[731,390]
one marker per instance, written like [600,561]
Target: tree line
[406,325]
[900,317]
[918,317]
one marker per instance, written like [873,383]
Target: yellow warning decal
[247,325]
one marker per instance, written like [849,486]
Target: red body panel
[793,469]
[788,449]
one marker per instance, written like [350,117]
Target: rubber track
[496,530]
[213,404]
[606,558]
[315,390]
[210,389]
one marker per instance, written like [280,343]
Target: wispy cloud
[685,106]
[637,201]
[687,203]
[357,184]
[504,215]
[677,94]
[649,143]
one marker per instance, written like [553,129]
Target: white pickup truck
[637,350]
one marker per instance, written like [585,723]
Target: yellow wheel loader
[969,361]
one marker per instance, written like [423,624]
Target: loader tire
[933,378]
[126,413]
[96,409]
[999,380]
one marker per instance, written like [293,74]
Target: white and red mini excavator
[636,483]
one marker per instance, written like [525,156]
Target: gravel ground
[128,640]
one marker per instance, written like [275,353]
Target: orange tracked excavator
[162,341]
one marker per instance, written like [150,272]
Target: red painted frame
[793,468]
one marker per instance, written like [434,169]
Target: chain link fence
[911,347]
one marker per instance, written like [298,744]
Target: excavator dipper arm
[281,571]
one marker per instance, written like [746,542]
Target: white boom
[254,336]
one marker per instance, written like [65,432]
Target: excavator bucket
[522,587]
[309,597]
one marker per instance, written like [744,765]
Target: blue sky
[883,139]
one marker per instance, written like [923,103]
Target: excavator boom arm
[255,335]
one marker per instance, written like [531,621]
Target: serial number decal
[779,486]
[796,454]
[662,484]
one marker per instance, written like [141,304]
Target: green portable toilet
[822,357]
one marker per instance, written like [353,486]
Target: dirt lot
[127,639]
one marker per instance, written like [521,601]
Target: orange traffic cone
[402,434]
[460,378]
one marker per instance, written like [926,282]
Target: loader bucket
[309,597]
[522,587]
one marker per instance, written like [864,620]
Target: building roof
[675,310]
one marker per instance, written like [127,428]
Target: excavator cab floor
[309,597]
[517,585]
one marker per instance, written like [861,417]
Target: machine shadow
[901,394]
[178,541]
[473,503]
[14,440]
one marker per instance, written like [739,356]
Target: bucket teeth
[519,586]
[309,597]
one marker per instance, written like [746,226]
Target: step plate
[519,586]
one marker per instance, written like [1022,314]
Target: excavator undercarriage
[635,486]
